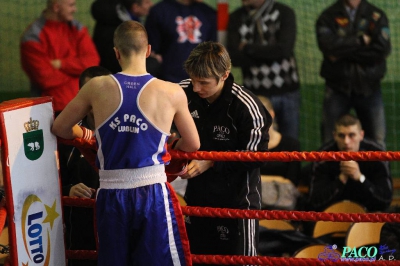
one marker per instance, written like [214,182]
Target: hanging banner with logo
[32,184]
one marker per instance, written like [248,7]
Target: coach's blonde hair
[208,59]
[130,37]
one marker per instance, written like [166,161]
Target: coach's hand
[81,191]
[197,167]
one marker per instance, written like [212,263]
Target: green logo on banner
[33,140]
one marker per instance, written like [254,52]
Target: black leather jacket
[108,14]
[350,65]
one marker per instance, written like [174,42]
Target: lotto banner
[31,181]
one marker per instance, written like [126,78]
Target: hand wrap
[87,133]
[176,167]
[87,147]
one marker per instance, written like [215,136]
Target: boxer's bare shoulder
[160,101]
[103,95]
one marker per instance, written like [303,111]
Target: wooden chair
[4,241]
[314,250]
[182,201]
[277,224]
[364,234]
[337,229]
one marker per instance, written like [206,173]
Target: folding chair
[182,201]
[337,229]
[364,234]
[4,242]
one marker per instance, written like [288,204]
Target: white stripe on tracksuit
[258,119]
[249,231]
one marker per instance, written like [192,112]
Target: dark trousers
[218,236]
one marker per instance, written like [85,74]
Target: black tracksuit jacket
[236,121]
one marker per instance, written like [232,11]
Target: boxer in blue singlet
[139,221]
[131,157]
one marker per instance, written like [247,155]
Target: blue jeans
[369,110]
[287,113]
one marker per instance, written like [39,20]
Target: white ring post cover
[32,182]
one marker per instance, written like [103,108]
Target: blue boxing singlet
[139,221]
[127,139]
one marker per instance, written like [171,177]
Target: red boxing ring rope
[287,156]
[265,156]
[265,214]
[275,261]
[232,260]
[262,214]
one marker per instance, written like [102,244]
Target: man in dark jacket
[228,117]
[108,15]
[354,38]
[368,183]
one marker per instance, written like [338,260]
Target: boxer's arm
[65,125]
[189,140]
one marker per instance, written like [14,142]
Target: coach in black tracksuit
[228,118]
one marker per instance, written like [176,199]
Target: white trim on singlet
[159,149]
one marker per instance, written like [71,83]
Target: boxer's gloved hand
[86,145]
[90,152]
[87,141]
[176,167]
[87,133]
